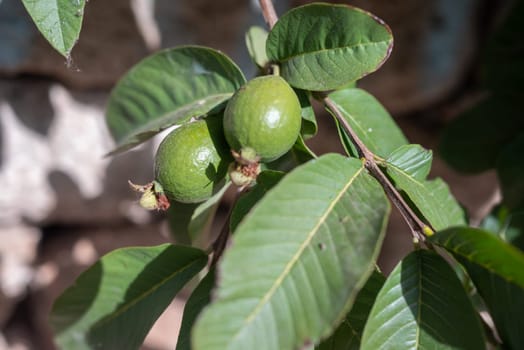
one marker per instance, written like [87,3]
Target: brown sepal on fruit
[244,170]
[153,196]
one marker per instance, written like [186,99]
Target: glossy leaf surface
[423,305]
[349,333]
[369,120]
[414,160]
[496,268]
[123,293]
[318,251]
[59,21]
[431,198]
[265,181]
[322,47]
[169,88]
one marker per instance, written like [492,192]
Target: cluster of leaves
[301,269]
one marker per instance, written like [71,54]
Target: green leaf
[510,169]
[122,294]
[473,142]
[349,333]
[496,268]
[311,242]
[431,198]
[485,250]
[322,47]
[414,160]
[422,305]
[265,181]
[370,121]
[59,21]
[256,45]
[169,88]
[200,297]
[190,222]
[309,122]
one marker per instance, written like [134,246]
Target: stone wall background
[63,204]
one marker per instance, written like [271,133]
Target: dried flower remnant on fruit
[153,196]
[244,170]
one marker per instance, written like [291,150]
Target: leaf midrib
[249,318]
[422,188]
[142,296]
[482,264]
[315,52]
[53,12]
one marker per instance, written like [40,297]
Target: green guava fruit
[263,118]
[192,161]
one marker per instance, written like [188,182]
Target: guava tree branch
[220,243]
[418,228]
[268,11]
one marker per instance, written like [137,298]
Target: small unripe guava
[192,161]
[263,116]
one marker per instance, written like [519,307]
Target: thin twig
[268,11]
[416,225]
[220,243]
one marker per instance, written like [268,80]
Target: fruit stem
[220,243]
[268,11]
[418,228]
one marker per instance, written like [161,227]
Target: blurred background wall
[63,204]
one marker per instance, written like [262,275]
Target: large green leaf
[200,297]
[423,305]
[431,198]
[265,181]
[473,141]
[369,120]
[297,260]
[168,88]
[510,169]
[59,21]
[114,303]
[414,160]
[349,333]
[497,270]
[322,47]
[481,248]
